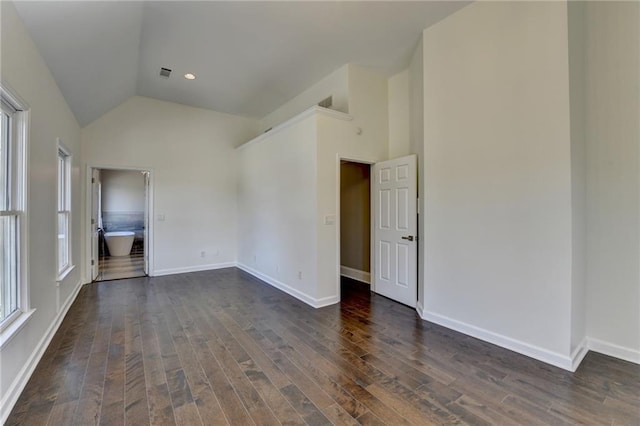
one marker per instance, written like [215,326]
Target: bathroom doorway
[119,241]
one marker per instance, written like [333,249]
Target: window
[13,300]
[64,211]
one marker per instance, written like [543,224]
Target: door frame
[149,231]
[360,160]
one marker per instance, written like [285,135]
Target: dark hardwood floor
[220,347]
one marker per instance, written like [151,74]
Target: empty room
[319,212]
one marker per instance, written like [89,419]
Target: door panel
[385,209]
[394,190]
[402,252]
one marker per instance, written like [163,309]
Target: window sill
[14,327]
[62,275]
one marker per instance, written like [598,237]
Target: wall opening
[119,240]
[355,221]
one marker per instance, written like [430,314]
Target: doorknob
[410,238]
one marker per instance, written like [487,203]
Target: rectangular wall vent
[165,72]
[326,103]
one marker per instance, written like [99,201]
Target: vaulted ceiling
[249,57]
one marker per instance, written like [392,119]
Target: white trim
[616,351]
[420,309]
[578,354]
[14,326]
[290,122]
[355,274]
[66,271]
[311,301]
[10,398]
[195,268]
[67,158]
[22,121]
[7,92]
[536,352]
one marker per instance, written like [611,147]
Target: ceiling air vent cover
[165,72]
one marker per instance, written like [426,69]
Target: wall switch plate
[160,217]
[330,219]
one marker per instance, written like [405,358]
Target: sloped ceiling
[249,57]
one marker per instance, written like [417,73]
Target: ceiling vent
[165,72]
[326,103]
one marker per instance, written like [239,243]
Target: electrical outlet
[254,258]
[299,275]
[203,253]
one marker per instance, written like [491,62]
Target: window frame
[63,202]
[17,207]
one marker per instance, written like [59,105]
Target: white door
[146,223]
[395,189]
[95,215]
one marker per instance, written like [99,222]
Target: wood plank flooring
[118,267]
[221,347]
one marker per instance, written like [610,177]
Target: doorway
[378,232]
[355,221]
[119,205]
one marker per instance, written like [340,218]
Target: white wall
[194,168]
[578,173]
[369,107]
[334,84]
[399,115]
[364,139]
[336,139]
[613,135]
[122,191]
[25,71]
[276,208]
[497,163]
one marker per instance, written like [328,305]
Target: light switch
[160,217]
[329,220]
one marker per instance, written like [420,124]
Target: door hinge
[93,221]
[93,262]
[93,180]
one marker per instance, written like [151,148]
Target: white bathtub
[119,243]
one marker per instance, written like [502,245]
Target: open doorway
[379,227]
[119,241]
[355,223]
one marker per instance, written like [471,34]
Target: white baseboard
[611,349]
[195,268]
[578,354]
[355,274]
[19,383]
[309,300]
[541,354]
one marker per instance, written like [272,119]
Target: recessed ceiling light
[190,76]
